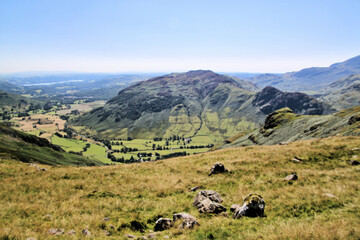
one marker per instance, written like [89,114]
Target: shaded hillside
[312,79]
[344,93]
[16,102]
[285,126]
[29,148]
[196,103]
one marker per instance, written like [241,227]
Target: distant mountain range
[195,103]
[343,93]
[312,79]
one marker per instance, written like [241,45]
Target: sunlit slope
[322,204]
[285,126]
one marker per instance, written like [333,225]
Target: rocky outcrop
[208,206]
[189,224]
[271,99]
[208,201]
[183,216]
[207,194]
[218,168]
[163,224]
[278,117]
[253,206]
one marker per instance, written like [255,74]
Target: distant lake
[51,83]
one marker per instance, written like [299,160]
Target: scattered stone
[56,231]
[106,219]
[166,236]
[86,232]
[218,168]
[291,177]
[355,149]
[208,206]
[47,217]
[112,226]
[189,224]
[107,233]
[234,207]
[297,160]
[194,189]
[329,195]
[253,206]
[354,163]
[71,232]
[163,224]
[129,236]
[178,216]
[207,194]
[142,237]
[355,157]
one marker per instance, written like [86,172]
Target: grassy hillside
[29,148]
[322,204]
[285,126]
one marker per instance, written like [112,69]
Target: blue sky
[176,35]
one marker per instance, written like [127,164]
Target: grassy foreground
[324,203]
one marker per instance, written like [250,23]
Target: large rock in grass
[163,224]
[184,216]
[208,206]
[253,206]
[218,168]
[207,194]
[189,224]
[208,201]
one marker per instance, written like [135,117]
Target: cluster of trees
[145,157]
[125,150]
[195,147]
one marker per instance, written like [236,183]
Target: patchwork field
[322,204]
[73,145]
[159,149]
[81,107]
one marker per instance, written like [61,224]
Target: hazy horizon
[114,36]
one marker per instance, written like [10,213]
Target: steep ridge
[201,103]
[284,125]
[271,99]
[312,79]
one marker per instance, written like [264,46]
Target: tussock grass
[81,197]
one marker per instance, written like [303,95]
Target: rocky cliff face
[270,99]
